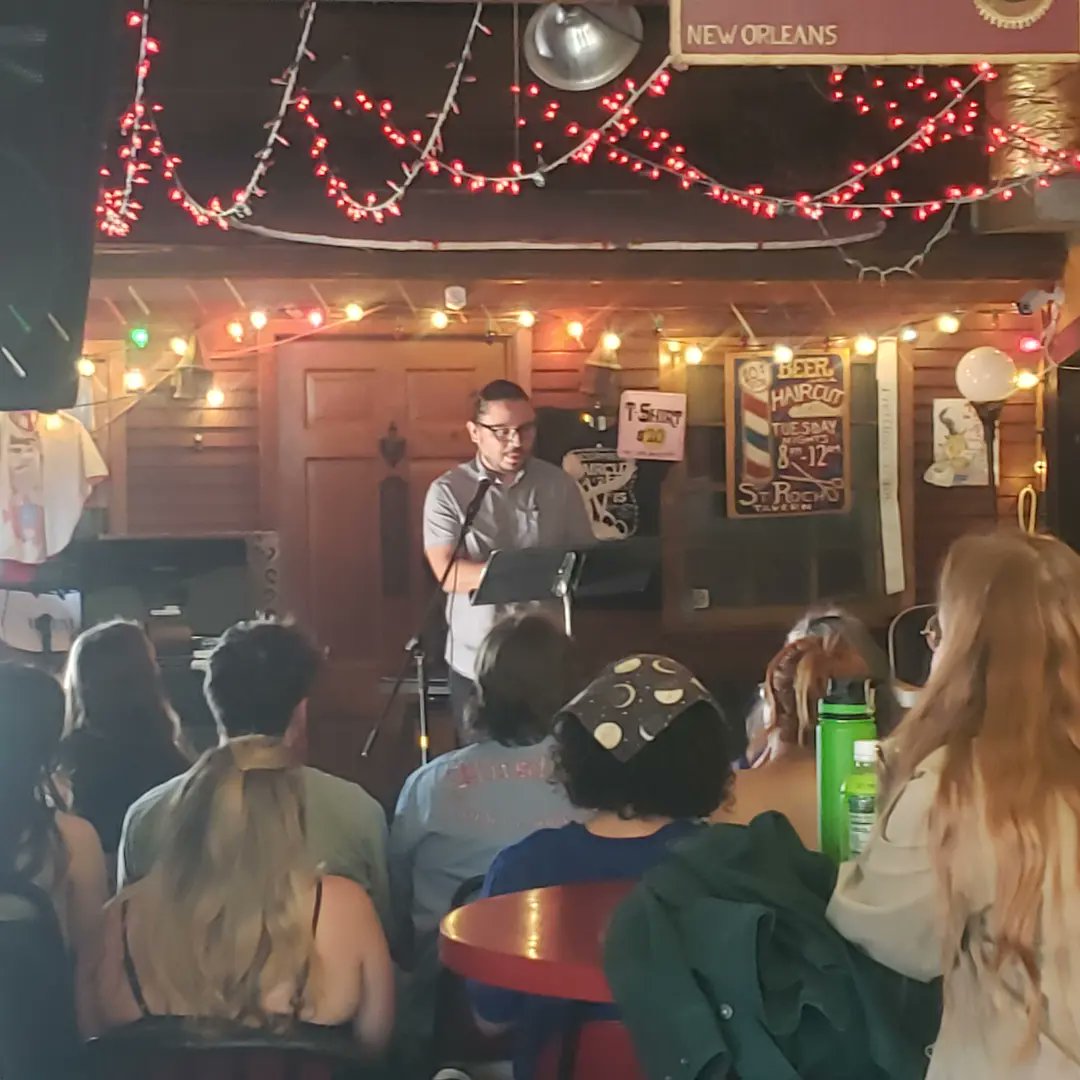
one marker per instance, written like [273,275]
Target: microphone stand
[415,652]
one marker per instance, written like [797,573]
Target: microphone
[477,500]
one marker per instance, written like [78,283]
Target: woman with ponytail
[973,870]
[784,774]
[234,921]
[40,844]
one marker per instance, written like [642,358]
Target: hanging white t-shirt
[47,470]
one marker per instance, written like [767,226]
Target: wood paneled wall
[943,514]
[192,469]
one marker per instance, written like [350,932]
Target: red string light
[958,117]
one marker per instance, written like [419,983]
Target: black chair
[909,653]
[39,1039]
[457,1038]
[180,1048]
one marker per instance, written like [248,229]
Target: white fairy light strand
[241,205]
[119,214]
[806,205]
[883,273]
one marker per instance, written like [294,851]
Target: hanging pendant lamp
[583,46]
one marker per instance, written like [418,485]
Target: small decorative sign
[652,425]
[959,446]
[788,434]
[873,31]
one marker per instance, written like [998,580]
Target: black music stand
[609,568]
[529,574]
[618,568]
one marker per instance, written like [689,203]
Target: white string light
[120,209]
[241,204]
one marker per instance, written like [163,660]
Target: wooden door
[365,425]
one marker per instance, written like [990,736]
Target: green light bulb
[140,337]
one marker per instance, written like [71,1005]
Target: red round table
[544,941]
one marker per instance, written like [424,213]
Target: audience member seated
[123,736]
[39,842]
[456,813]
[828,621]
[784,775]
[643,748]
[258,681]
[234,921]
[973,870]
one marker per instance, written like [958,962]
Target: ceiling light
[134,380]
[611,341]
[439,319]
[694,355]
[354,312]
[1026,380]
[575,329]
[215,397]
[235,330]
[259,320]
[948,323]
[179,345]
[85,367]
[783,354]
[526,319]
[865,345]
[908,334]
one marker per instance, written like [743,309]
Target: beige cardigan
[888,903]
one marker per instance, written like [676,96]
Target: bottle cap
[849,692]
[865,751]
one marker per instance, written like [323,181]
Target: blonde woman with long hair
[974,869]
[234,923]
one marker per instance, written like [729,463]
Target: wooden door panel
[439,387]
[344,581]
[358,582]
[333,398]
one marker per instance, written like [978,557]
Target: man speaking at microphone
[521,502]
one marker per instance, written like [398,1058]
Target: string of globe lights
[119,209]
[244,329]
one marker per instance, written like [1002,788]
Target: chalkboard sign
[788,434]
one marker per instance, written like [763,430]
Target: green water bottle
[845,717]
[861,795]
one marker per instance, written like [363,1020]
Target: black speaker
[1063,451]
[56,60]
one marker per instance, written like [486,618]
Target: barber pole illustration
[756,381]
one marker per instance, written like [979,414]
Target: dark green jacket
[721,959]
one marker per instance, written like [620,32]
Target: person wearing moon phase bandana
[520,502]
[644,750]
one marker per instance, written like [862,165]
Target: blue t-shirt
[568,856]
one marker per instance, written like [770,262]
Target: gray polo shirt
[541,507]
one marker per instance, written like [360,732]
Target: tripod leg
[422,690]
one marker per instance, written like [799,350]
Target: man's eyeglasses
[505,434]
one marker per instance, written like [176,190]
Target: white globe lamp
[986,377]
[985,374]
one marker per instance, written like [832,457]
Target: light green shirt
[346,830]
